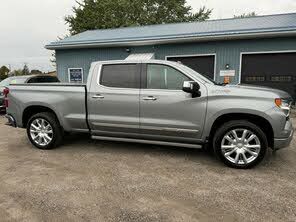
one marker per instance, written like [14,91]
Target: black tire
[57,135]
[239,124]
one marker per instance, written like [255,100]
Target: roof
[260,26]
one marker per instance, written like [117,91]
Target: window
[255,79]
[120,76]
[281,78]
[164,77]
[44,79]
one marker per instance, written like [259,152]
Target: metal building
[259,50]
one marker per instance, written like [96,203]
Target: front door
[167,112]
[114,100]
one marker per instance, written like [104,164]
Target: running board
[153,142]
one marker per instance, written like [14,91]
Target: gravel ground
[88,180]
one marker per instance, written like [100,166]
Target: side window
[164,77]
[120,76]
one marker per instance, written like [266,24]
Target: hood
[264,90]
[249,91]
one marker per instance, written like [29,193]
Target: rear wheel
[240,144]
[44,131]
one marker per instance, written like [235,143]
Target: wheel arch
[260,121]
[33,110]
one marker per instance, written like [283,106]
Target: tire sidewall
[50,121]
[222,131]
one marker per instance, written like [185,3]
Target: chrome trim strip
[169,129]
[195,146]
[117,125]
[146,127]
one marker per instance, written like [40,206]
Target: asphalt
[87,180]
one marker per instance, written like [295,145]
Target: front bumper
[280,143]
[11,120]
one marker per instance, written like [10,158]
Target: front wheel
[44,131]
[240,144]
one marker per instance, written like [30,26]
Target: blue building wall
[227,52]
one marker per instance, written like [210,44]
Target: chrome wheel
[241,146]
[41,132]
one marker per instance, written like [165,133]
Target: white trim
[256,53]
[69,74]
[198,55]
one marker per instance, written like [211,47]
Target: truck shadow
[77,141]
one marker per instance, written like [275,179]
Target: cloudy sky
[26,26]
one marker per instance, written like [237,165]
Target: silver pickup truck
[157,102]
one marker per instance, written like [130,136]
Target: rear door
[113,100]
[167,112]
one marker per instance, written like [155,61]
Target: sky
[27,26]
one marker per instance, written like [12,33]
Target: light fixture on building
[227,66]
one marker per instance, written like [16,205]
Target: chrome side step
[162,143]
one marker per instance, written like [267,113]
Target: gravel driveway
[88,180]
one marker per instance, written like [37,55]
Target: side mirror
[192,87]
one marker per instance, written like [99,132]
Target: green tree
[25,70]
[4,71]
[246,15]
[17,72]
[102,14]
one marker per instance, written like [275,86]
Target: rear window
[120,76]
[44,79]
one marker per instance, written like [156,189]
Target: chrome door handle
[150,98]
[98,97]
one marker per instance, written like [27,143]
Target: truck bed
[68,101]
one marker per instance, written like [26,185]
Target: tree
[25,70]
[102,14]
[4,71]
[17,72]
[246,15]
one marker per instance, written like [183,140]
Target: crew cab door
[113,100]
[167,112]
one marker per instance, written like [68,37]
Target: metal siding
[227,52]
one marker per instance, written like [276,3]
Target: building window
[281,78]
[255,79]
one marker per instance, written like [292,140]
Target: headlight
[285,105]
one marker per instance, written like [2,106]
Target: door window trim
[144,77]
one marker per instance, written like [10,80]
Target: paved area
[88,180]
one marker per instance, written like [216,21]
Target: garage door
[202,64]
[276,70]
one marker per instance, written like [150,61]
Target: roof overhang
[170,40]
